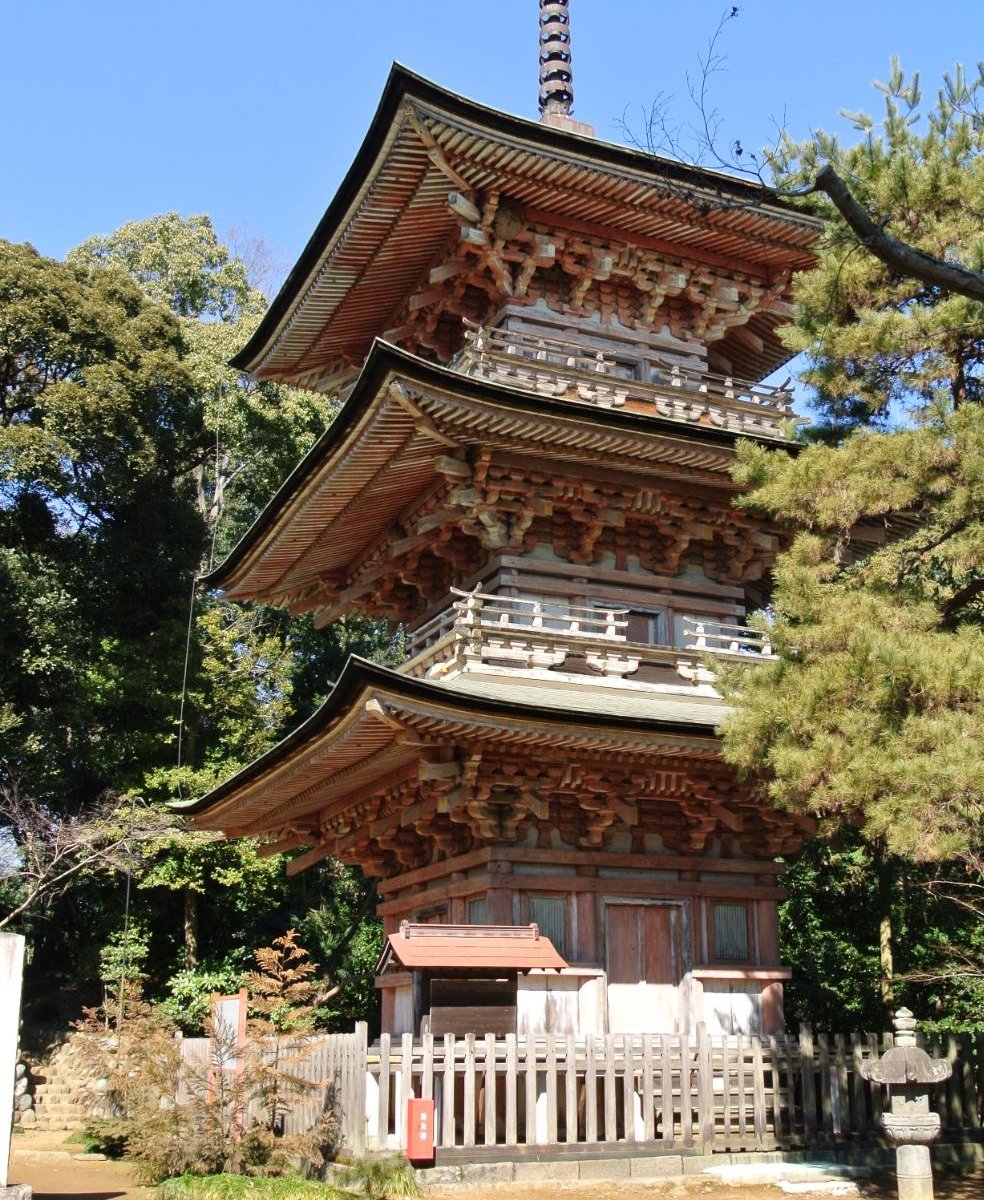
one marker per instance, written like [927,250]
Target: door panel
[644,953]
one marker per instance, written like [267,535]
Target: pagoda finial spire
[556,78]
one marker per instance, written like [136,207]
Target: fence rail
[657,1092]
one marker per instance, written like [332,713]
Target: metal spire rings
[556,78]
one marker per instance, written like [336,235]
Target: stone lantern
[909,1072]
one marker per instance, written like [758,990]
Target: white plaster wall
[11,976]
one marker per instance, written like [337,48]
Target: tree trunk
[886,884]
[191,928]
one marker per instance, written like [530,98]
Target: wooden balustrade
[707,636]
[554,367]
[482,615]
[490,625]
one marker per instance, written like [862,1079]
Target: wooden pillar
[773,1019]
[500,906]
[768,932]
[587,949]
[387,1009]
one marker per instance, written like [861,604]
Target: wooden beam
[269,849]
[449,270]
[461,862]
[303,861]
[462,207]
[675,250]
[623,886]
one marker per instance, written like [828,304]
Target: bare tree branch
[45,850]
[661,136]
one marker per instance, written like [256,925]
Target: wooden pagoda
[547,347]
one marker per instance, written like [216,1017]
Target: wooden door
[645,958]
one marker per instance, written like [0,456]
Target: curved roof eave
[384,359]
[403,84]
[358,675]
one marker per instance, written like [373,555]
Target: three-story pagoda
[547,347]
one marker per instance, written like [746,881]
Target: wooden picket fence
[656,1093]
[334,1064]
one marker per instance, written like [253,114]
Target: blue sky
[251,111]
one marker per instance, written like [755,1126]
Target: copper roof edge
[385,358]
[359,674]
[402,85]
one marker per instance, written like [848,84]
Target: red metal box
[420,1131]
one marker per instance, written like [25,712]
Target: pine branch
[959,601]
[901,257]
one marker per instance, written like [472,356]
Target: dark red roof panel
[480,948]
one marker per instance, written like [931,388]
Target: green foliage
[346,937]
[256,432]
[379,1179]
[879,342]
[123,958]
[871,720]
[830,935]
[241,1187]
[872,716]
[189,992]
[93,1143]
[131,457]
[97,427]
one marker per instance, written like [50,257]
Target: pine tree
[872,717]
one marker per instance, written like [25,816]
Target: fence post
[809,1083]
[361,1065]
[705,1087]
[383,1098]
[759,1114]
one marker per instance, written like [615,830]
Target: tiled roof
[678,705]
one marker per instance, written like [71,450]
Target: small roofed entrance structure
[458,978]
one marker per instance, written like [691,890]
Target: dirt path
[57,1172]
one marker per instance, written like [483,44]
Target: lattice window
[550,914]
[476,911]
[731,931]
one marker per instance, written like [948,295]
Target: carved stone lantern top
[906,1063]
